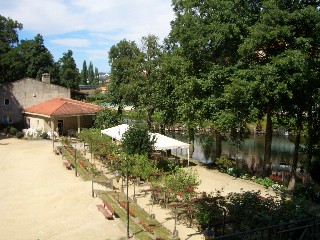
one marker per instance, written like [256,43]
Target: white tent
[116,132]
[162,142]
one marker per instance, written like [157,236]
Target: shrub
[13,131]
[307,192]
[19,135]
[266,182]
[247,210]
[208,210]
[137,140]
[232,172]
[223,164]
[44,135]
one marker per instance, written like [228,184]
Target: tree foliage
[90,74]
[137,140]
[84,73]
[125,59]
[36,57]
[8,40]
[106,118]
[69,73]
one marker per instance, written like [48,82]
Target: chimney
[46,77]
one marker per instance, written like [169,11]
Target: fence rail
[307,229]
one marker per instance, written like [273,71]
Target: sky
[89,27]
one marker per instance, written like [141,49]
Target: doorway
[60,127]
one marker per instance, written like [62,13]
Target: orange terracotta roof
[63,106]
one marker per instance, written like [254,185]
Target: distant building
[88,89]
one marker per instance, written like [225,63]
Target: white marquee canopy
[162,142]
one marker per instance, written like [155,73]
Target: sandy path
[40,199]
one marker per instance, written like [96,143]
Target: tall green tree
[9,69]
[36,57]
[277,51]
[69,74]
[207,35]
[90,74]
[149,82]
[125,59]
[96,75]
[173,72]
[84,73]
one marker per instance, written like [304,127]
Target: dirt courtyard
[40,199]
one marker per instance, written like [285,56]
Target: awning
[162,142]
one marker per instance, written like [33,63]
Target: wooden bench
[107,205]
[105,212]
[67,165]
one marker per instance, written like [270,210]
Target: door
[60,127]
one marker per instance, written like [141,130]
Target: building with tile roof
[40,105]
[62,115]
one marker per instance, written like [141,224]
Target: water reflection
[252,150]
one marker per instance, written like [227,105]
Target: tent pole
[188,156]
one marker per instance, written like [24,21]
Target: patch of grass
[139,232]
[91,169]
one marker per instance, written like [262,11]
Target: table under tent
[162,142]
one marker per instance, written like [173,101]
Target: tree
[69,73]
[84,73]
[36,57]
[148,85]
[277,53]
[125,60]
[207,35]
[137,140]
[90,74]
[96,75]
[8,40]
[173,72]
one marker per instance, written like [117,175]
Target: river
[252,150]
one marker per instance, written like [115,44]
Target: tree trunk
[218,144]
[191,133]
[310,142]
[149,118]
[295,159]
[266,168]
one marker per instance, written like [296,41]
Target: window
[6,101]
[7,119]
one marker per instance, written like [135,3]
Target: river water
[252,150]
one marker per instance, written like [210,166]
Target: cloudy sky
[89,27]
